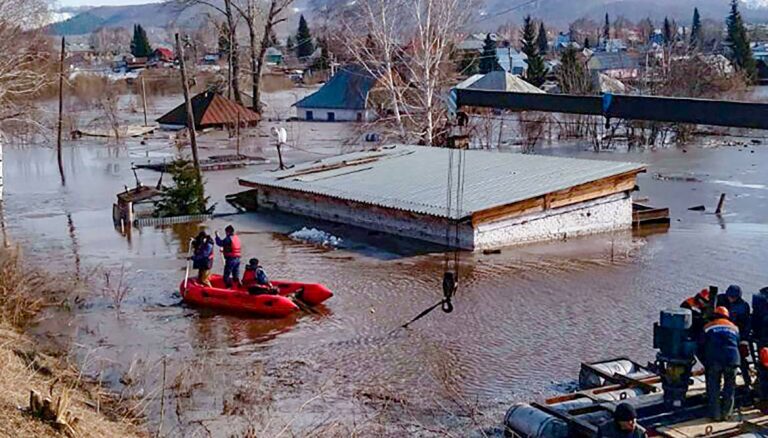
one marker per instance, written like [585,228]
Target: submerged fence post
[721,204]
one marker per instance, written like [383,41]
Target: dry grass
[73,408]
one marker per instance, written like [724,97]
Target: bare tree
[261,17]
[27,57]
[231,18]
[405,45]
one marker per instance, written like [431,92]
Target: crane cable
[451,259]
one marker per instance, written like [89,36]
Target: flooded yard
[524,319]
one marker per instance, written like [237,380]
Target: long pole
[61,114]
[188,103]
[144,99]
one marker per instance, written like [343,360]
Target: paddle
[186,274]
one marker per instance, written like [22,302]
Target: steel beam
[619,106]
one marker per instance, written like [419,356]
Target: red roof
[163,53]
[211,110]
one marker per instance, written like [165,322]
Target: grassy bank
[41,395]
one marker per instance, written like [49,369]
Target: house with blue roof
[344,98]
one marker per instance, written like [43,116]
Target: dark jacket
[740,314]
[697,309]
[760,317]
[611,430]
[203,257]
[721,343]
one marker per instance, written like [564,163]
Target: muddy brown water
[524,319]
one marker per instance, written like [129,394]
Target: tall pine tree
[696,29]
[537,71]
[607,28]
[667,32]
[542,41]
[488,60]
[140,47]
[304,45]
[738,42]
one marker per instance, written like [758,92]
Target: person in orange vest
[202,259]
[232,251]
[721,359]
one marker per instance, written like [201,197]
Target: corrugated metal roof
[415,178]
[210,109]
[347,89]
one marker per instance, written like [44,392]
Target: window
[331,116]
[310,116]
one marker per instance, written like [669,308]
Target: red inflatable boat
[265,304]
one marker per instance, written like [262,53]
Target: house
[512,61]
[509,199]
[614,45]
[273,56]
[475,42]
[498,81]
[163,55]
[618,65]
[211,110]
[211,58]
[343,98]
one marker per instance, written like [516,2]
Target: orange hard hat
[703,294]
[722,311]
[764,357]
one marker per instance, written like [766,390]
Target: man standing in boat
[232,251]
[202,260]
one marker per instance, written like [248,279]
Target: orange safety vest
[233,249]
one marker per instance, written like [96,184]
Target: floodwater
[524,319]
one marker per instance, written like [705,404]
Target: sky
[103,2]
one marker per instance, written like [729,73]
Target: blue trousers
[231,270]
[720,402]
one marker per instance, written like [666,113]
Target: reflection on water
[524,318]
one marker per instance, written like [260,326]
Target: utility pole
[61,112]
[188,103]
[144,99]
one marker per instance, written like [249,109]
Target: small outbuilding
[344,98]
[211,110]
[508,199]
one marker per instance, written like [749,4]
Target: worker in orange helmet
[698,304]
[721,359]
[762,374]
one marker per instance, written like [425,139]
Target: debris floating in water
[319,237]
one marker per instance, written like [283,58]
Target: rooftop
[210,109]
[415,178]
[347,89]
[499,81]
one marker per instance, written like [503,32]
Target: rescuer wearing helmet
[741,316]
[697,304]
[232,252]
[721,358]
[623,425]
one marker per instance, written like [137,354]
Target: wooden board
[574,195]
[702,427]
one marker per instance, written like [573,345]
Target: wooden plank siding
[573,195]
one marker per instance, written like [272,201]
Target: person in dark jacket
[741,316]
[760,318]
[623,425]
[698,305]
[202,258]
[762,374]
[721,358]
[232,251]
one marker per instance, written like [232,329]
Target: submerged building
[508,199]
